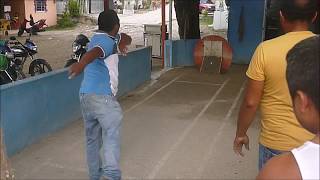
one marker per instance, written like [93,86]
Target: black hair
[303,69]
[107,20]
[303,10]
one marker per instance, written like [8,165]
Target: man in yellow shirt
[267,86]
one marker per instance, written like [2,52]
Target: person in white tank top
[303,82]
[307,157]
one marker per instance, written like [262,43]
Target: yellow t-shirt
[280,129]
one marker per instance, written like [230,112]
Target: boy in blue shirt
[102,113]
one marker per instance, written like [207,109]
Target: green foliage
[148,4]
[65,21]
[205,13]
[3,62]
[74,8]
[205,19]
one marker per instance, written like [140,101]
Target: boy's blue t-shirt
[96,79]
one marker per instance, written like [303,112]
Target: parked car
[207,5]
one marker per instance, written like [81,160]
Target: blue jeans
[102,120]
[265,154]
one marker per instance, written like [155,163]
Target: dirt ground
[55,46]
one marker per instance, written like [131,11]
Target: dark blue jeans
[265,154]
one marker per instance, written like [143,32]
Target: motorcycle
[28,50]
[36,27]
[79,49]
[9,70]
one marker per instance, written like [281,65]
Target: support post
[170,33]
[106,5]
[163,29]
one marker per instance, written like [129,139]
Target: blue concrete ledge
[33,108]
[182,52]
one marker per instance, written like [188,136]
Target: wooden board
[226,53]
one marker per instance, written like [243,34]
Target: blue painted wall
[36,107]
[182,52]
[134,69]
[253,27]
[32,109]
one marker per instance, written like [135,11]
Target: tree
[187,13]
[1,9]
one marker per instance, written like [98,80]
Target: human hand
[123,49]
[124,42]
[75,69]
[239,141]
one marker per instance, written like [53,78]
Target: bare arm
[86,59]
[126,39]
[283,166]
[249,106]
[247,113]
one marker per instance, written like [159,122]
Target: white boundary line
[199,83]
[151,95]
[173,148]
[220,130]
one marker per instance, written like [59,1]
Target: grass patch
[56,28]
[66,21]
[206,20]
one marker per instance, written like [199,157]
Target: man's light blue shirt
[96,79]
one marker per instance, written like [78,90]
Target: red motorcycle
[36,27]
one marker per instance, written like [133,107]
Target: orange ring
[226,52]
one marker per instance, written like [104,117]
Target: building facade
[39,9]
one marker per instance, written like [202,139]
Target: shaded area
[180,125]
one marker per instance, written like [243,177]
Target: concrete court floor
[180,126]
